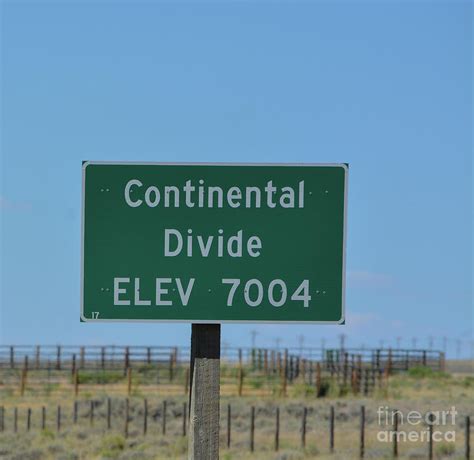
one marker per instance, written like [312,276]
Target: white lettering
[118,290]
[179,246]
[130,183]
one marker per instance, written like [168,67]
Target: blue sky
[384,86]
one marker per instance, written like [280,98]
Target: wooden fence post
[58,418]
[241,381]
[2,418]
[73,364]
[102,358]
[467,439]
[126,359]
[74,415]
[76,382]
[389,363]
[185,416]
[252,429]
[430,436]
[127,410]
[186,381]
[303,427]
[91,413]
[318,380]
[277,430]
[28,419]
[395,437]
[171,365]
[24,374]
[37,357]
[15,419]
[58,357]
[164,418]
[362,431]
[145,416]
[129,381]
[43,418]
[82,353]
[229,421]
[331,429]
[285,372]
[12,358]
[109,413]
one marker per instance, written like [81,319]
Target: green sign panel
[213,242]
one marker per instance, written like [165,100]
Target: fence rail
[116,357]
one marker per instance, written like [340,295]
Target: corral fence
[249,371]
[121,357]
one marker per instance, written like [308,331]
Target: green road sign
[213,242]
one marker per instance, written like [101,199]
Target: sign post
[204,396]
[208,244]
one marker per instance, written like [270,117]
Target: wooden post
[467,439]
[91,413]
[186,381]
[277,430]
[331,430]
[171,367]
[229,421]
[82,353]
[252,429]
[76,382]
[28,419]
[24,374]
[185,416]
[58,418]
[204,394]
[395,437]
[2,418]
[102,358]
[109,413]
[148,355]
[362,431]
[145,416]
[127,410]
[430,436]
[129,381]
[285,372]
[12,357]
[163,426]
[73,364]
[43,418]
[126,360]
[74,417]
[318,380]
[15,419]
[37,357]
[58,358]
[303,427]
[241,381]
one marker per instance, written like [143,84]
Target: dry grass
[419,392]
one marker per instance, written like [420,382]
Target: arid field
[89,437]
